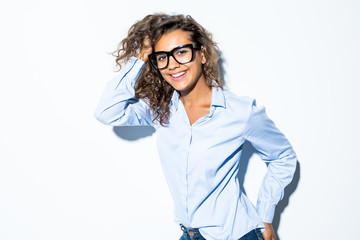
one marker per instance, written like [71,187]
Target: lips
[178,76]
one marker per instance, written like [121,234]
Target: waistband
[193,232]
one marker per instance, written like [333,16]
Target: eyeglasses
[182,54]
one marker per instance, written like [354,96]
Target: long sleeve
[118,106]
[275,149]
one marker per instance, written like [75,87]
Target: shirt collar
[217,98]
[175,99]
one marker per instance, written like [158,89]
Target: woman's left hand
[146,49]
[269,233]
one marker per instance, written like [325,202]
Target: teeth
[178,75]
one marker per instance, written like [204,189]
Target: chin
[179,86]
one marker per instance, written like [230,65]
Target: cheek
[163,75]
[198,70]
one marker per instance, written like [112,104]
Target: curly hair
[151,86]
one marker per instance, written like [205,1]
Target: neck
[200,95]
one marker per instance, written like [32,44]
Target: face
[182,77]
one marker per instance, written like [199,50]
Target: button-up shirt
[201,161]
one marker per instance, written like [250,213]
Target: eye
[182,51]
[161,58]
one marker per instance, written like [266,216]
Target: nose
[173,63]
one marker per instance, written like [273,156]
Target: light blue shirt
[201,161]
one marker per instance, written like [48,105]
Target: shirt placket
[191,139]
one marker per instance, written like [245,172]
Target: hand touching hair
[134,42]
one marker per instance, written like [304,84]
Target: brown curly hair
[150,85]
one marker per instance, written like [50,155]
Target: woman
[174,84]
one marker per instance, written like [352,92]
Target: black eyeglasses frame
[152,56]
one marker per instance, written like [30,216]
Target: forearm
[279,174]
[119,95]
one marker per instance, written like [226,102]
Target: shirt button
[191,233]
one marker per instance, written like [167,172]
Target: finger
[147,42]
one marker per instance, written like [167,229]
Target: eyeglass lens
[181,55]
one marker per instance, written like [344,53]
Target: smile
[177,75]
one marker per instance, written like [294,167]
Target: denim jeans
[194,234]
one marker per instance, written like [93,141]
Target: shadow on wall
[132,133]
[289,190]
[248,151]
[222,63]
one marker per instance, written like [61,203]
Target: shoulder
[238,108]
[234,100]
[246,109]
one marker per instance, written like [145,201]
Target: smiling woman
[186,76]
[174,84]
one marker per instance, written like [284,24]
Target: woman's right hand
[145,50]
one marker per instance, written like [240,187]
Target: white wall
[65,176]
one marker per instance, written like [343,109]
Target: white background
[63,175]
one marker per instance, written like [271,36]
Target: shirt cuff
[266,211]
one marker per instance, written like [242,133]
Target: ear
[202,52]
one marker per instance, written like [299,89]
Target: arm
[275,149]
[118,106]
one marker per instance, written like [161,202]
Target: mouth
[178,76]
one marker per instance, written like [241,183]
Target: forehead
[171,40]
